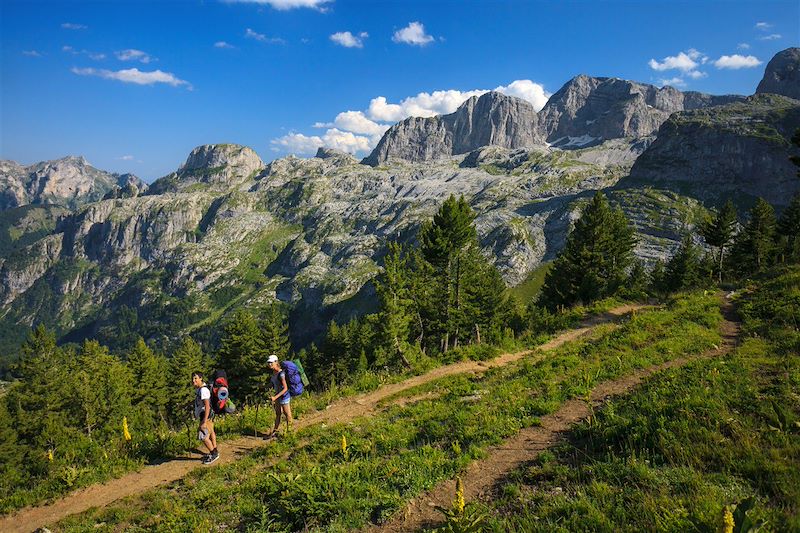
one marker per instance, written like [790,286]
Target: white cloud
[133,55]
[338,140]
[675,82]
[743,46]
[73,26]
[348,40]
[771,37]
[250,34]
[96,57]
[67,48]
[763,26]
[126,158]
[413,34]
[737,61]
[285,5]
[134,75]
[683,61]
[32,53]
[357,122]
[223,44]
[696,74]
[527,90]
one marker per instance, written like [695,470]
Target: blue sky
[134,86]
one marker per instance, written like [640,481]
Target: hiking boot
[210,458]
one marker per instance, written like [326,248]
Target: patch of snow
[579,141]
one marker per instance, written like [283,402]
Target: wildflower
[345,451]
[50,455]
[459,503]
[727,521]
[125,433]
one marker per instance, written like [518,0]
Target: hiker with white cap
[282,396]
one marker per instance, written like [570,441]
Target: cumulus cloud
[771,37]
[413,34]
[133,55]
[687,62]
[763,26]
[134,75]
[743,46]
[344,141]
[285,5]
[348,40]
[674,82]
[73,26]
[737,61]
[32,53]
[250,34]
[223,44]
[527,90]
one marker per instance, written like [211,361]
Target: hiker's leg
[212,434]
[287,410]
[277,417]
[204,436]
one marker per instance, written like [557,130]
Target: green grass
[689,442]
[403,451]
[530,287]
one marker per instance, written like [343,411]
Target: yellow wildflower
[50,455]
[125,433]
[727,521]
[459,503]
[345,451]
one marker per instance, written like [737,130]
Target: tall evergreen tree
[396,303]
[485,299]
[103,390]
[243,355]
[187,358]
[719,231]
[597,254]
[684,271]
[755,244]
[789,230]
[149,373]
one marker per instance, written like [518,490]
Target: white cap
[272,359]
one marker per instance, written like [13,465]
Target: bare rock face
[213,167]
[738,149]
[782,75]
[70,181]
[587,110]
[492,119]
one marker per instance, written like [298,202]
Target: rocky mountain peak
[782,75]
[217,155]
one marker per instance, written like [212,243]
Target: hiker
[204,413]
[281,398]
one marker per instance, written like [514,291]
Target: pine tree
[485,301]
[789,229]
[150,396]
[243,355]
[755,244]
[595,259]
[275,333]
[684,271]
[187,358]
[393,287]
[103,389]
[719,231]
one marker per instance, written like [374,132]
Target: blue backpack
[294,380]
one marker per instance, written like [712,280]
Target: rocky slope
[733,150]
[70,181]
[782,75]
[490,119]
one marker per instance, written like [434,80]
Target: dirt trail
[346,409]
[484,476]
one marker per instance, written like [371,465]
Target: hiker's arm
[206,411]
[283,391]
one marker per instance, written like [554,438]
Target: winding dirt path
[482,477]
[344,410]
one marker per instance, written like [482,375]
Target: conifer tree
[683,271]
[789,230]
[485,301]
[149,374]
[719,232]
[243,355]
[187,358]
[396,302]
[755,244]
[597,254]
[103,390]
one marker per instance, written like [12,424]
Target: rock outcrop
[492,119]
[70,181]
[733,150]
[213,167]
[782,75]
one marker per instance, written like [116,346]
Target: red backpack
[220,402]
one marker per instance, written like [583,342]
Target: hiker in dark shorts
[281,398]
[203,412]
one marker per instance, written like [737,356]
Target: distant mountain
[490,119]
[782,75]
[70,181]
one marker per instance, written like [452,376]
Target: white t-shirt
[203,394]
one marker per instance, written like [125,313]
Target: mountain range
[95,254]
